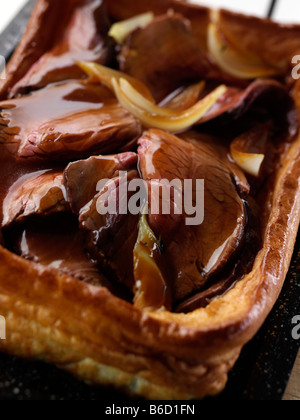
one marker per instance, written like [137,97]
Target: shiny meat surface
[66,121]
[84,38]
[87,173]
[40,193]
[165,56]
[110,237]
[194,252]
[262,92]
[56,242]
[191,261]
[62,135]
[198,16]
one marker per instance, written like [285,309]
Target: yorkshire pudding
[200,106]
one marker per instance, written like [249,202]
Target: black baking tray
[261,373]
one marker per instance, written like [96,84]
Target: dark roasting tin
[262,372]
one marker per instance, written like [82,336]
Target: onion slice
[120,30]
[248,150]
[105,75]
[250,162]
[150,290]
[157,117]
[233,61]
[137,99]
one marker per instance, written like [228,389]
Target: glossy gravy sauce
[56,241]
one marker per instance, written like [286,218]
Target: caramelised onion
[150,290]
[120,30]
[249,162]
[233,61]
[163,118]
[105,75]
[136,98]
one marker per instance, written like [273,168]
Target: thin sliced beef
[61,32]
[165,55]
[199,16]
[194,253]
[213,148]
[57,243]
[39,193]
[39,226]
[87,173]
[66,121]
[236,102]
[280,42]
[110,237]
